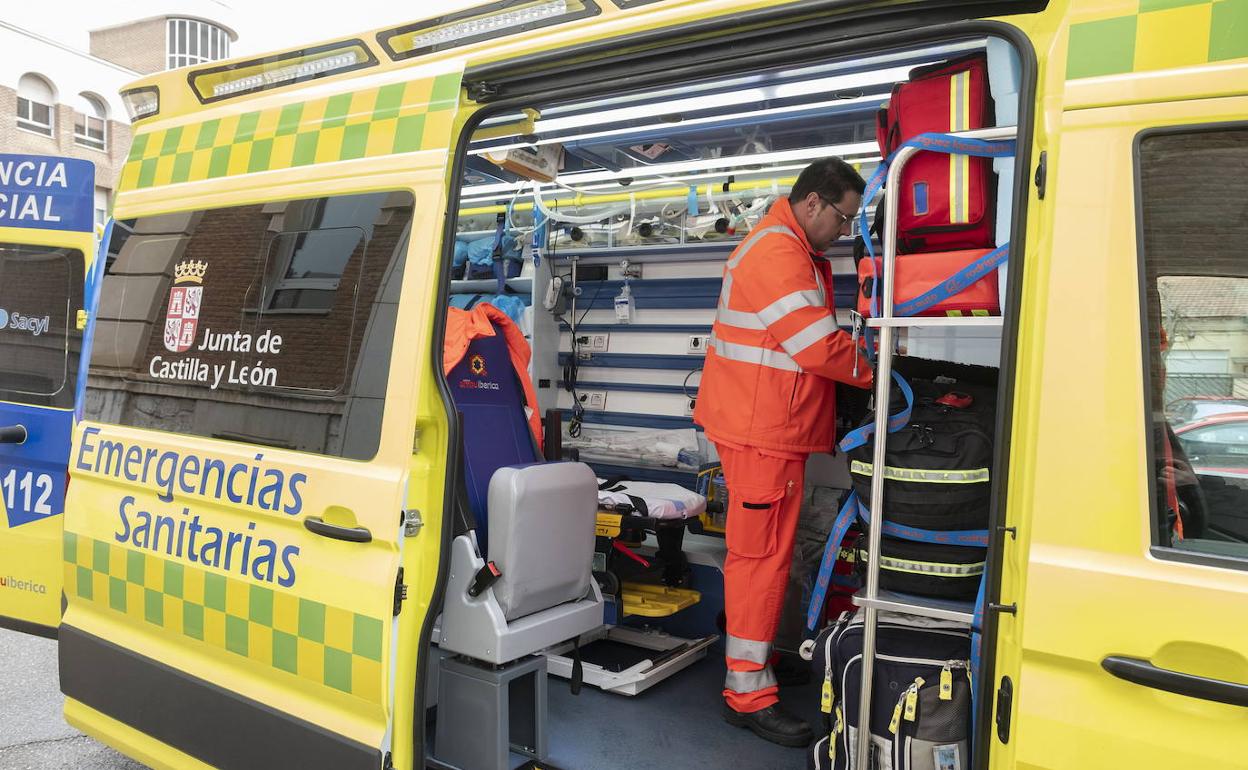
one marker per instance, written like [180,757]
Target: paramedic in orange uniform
[767,400]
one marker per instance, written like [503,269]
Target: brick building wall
[108,162]
[139,46]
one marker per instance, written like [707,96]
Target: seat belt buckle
[485,577]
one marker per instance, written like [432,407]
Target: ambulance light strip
[141,102]
[481,25]
[284,74]
[851,152]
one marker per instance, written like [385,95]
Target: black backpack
[921,707]
[936,466]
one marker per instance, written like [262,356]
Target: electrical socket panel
[598,342]
[593,400]
[698,343]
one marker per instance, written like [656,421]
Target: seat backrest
[496,430]
[542,529]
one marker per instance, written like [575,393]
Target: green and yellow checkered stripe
[1161,34]
[395,118]
[331,646]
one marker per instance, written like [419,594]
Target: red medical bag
[946,201]
[915,274]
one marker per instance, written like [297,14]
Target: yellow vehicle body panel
[1079,570]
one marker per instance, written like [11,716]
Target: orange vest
[776,349]
[464,326]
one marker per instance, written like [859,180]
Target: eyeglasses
[845,218]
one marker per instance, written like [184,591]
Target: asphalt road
[33,734]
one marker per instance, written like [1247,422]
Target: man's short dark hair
[830,178]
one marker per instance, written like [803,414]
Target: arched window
[195,42]
[35,100]
[90,121]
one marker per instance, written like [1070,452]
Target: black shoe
[791,670]
[773,724]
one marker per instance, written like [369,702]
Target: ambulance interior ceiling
[631,203]
[762,126]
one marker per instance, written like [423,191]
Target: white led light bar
[141,103]
[486,24]
[284,74]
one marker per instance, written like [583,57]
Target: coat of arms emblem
[182,317]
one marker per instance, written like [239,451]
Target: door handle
[13,434]
[319,526]
[1140,671]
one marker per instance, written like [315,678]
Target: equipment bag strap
[830,552]
[858,436]
[968,537]
[853,508]
[953,285]
[932,142]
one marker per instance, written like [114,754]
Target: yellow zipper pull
[912,699]
[895,722]
[946,683]
[825,698]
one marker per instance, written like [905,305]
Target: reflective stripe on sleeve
[790,302]
[810,335]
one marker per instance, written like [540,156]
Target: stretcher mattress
[662,501]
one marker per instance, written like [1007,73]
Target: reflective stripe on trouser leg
[754,586]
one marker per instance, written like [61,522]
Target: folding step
[927,321]
[652,601]
[942,609]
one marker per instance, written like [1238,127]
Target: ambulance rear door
[253,434]
[46,244]
[1131,447]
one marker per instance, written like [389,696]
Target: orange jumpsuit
[767,400]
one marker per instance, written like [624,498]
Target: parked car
[1183,411]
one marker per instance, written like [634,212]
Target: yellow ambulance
[267,560]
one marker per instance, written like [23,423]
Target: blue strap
[853,508]
[967,537]
[858,436]
[954,284]
[830,551]
[932,142]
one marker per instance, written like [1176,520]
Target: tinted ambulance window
[1194,209]
[40,296]
[269,324]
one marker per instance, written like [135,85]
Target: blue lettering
[124,535]
[190,466]
[235,470]
[288,554]
[296,504]
[134,455]
[166,468]
[84,447]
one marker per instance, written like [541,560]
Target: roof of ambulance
[607,19]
